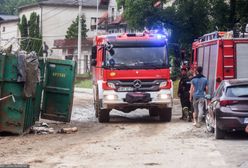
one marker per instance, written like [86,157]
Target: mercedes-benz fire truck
[131,71]
[222,57]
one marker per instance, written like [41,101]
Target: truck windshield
[137,58]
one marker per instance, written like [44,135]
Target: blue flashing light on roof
[160,36]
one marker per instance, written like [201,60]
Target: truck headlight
[111,97]
[164,96]
[111,85]
[163,84]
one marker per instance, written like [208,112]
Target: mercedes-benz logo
[137,84]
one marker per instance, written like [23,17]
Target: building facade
[56,16]
[8,30]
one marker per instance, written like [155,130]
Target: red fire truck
[131,71]
[221,56]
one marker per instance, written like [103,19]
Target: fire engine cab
[131,71]
[222,57]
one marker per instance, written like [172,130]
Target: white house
[57,15]
[8,30]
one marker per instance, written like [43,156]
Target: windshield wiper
[121,66]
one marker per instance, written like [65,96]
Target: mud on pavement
[129,140]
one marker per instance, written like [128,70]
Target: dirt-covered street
[129,141]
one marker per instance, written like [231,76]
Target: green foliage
[84,83]
[188,19]
[11,6]
[30,33]
[120,3]
[72,32]
[142,13]
[23,27]
[191,20]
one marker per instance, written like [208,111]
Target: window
[237,91]
[113,14]
[93,23]
[219,91]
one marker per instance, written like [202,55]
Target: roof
[8,18]
[233,82]
[103,4]
[71,43]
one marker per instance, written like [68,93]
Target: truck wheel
[153,112]
[165,114]
[97,108]
[103,116]
[218,133]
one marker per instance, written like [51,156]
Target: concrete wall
[8,33]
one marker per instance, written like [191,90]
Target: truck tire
[165,114]
[97,108]
[218,133]
[103,116]
[96,101]
[153,111]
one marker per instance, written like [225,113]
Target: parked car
[228,110]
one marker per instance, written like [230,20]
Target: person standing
[183,94]
[198,90]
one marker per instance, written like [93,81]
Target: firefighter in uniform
[183,94]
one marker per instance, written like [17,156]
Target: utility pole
[97,14]
[79,34]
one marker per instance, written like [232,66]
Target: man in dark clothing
[183,94]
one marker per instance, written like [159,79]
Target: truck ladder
[229,66]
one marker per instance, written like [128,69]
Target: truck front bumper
[113,100]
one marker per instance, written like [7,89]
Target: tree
[191,20]
[30,33]
[35,41]
[219,20]
[142,13]
[10,6]
[23,27]
[72,32]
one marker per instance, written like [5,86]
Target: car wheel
[153,112]
[208,122]
[218,133]
[103,115]
[165,114]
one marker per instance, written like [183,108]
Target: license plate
[246,121]
[125,89]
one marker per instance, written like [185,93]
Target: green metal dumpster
[16,113]
[39,90]
[58,90]
[54,92]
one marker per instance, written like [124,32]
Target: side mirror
[93,52]
[93,62]
[109,48]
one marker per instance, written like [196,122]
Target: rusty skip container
[16,111]
[58,90]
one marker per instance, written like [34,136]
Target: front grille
[142,85]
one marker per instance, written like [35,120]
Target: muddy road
[130,140]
